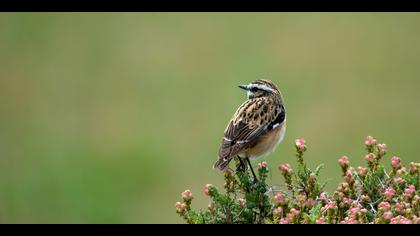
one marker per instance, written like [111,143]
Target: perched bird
[257,126]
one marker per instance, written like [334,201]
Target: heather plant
[368,194]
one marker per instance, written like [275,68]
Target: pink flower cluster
[278,211]
[330,205]
[362,171]
[414,167]
[387,215]
[180,207]
[348,176]
[323,196]
[384,206]
[293,212]
[389,193]
[382,149]
[207,189]
[283,221]
[400,220]
[343,187]
[262,165]
[187,195]
[300,144]
[278,198]
[365,198]
[368,194]
[410,190]
[395,162]
[286,169]
[290,217]
[343,161]
[399,180]
[370,157]
[370,141]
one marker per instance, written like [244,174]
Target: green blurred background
[108,117]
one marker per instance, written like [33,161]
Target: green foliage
[368,195]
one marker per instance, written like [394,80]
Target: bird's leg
[241,167]
[252,170]
[241,170]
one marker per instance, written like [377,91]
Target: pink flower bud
[400,220]
[280,199]
[362,171]
[323,196]
[329,205]
[399,180]
[401,171]
[343,161]
[382,148]
[354,211]
[294,212]
[283,221]
[410,190]
[187,195]
[355,203]
[320,221]
[349,220]
[389,193]
[395,162]
[399,208]
[207,189]
[285,169]
[300,144]
[180,207]
[348,177]
[340,195]
[414,166]
[277,212]
[262,165]
[365,198]
[385,206]
[370,157]
[370,141]
[347,201]
[242,202]
[343,187]
[387,215]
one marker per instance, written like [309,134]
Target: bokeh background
[108,117]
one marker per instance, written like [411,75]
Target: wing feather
[252,119]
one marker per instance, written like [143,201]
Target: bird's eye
[254,89]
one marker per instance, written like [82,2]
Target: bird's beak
[245,87]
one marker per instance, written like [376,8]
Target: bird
[257,127]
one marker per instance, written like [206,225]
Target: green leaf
[318,169]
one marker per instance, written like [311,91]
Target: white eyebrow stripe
[263,87]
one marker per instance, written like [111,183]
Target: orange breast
[266,143]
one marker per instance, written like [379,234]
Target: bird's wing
[252,119]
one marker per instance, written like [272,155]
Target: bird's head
[260,88]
